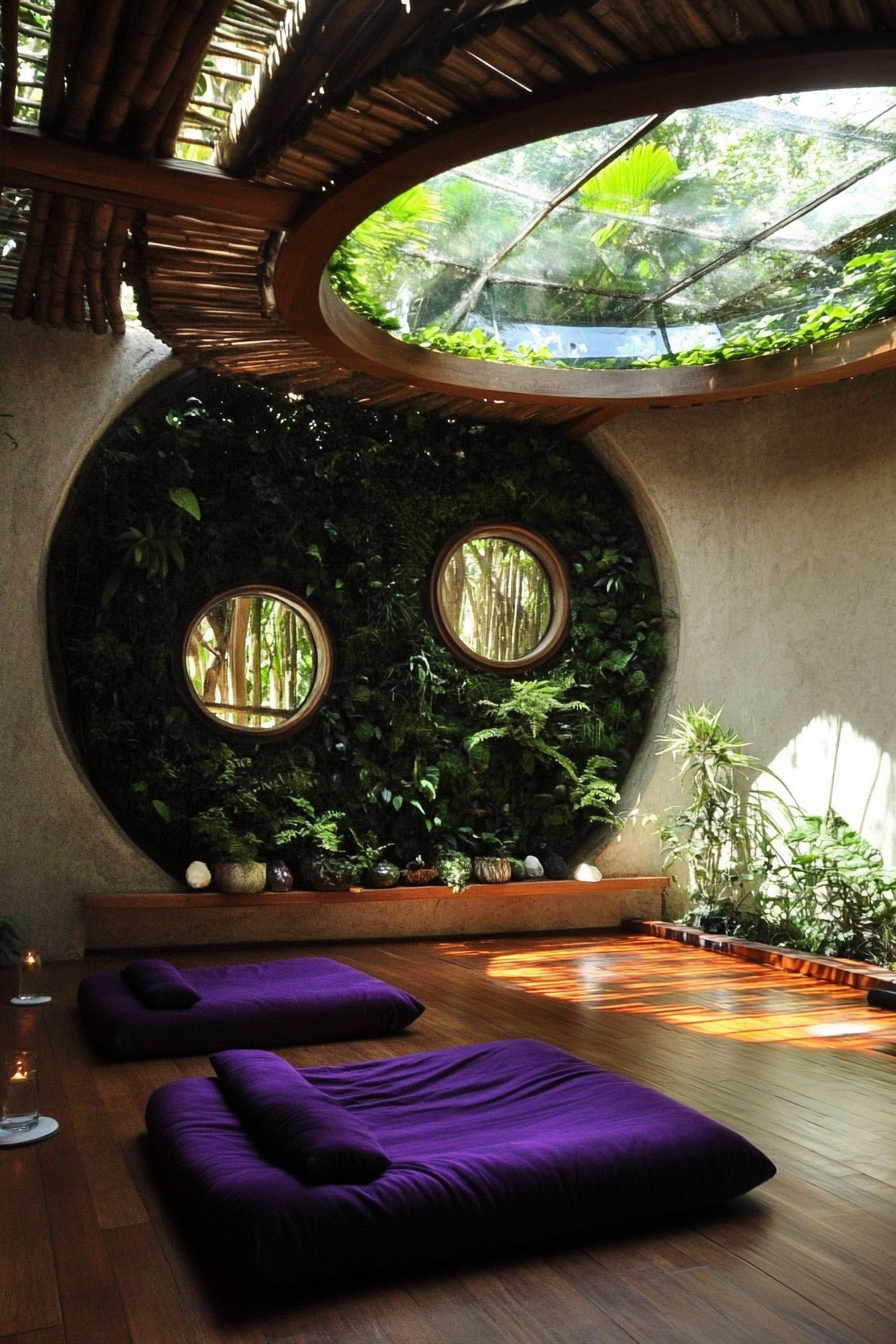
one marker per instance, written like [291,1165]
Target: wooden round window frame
[323,665]
[558,583]
[306,299]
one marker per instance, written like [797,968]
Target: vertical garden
[208,487]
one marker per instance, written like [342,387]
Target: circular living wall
[209,486]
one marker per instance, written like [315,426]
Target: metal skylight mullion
[467,301]
[760,237]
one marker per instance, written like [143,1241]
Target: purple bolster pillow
[158,984]
[294,1124]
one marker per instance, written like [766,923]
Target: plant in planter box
[829,892]
[234,852]
[726,834]
[454,868]
[10,942]
[325,866]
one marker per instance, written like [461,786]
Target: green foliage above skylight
[715,233]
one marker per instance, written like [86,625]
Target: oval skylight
[714,233]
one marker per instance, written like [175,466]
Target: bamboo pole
[9,37]
[129,68]
[68,17]
[43,281]
[37,226]
[90,70]
[112,260]
[62,260]
[75,288]
[177,89]
[97,231]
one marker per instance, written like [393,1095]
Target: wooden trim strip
[836,970]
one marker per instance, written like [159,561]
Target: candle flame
[30,958]
[20,1075]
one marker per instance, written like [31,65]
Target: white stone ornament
[199,875]
[532,866]
[586,872]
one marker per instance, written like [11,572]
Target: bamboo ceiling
[328,87]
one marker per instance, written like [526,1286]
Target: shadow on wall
[830,764]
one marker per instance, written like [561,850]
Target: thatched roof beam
[28,158]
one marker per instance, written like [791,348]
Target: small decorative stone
[279,876]
[555,868]
[586,872]
[533,866]
[199,875]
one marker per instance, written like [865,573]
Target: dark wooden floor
[89,1253]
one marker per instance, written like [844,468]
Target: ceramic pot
[382,874]
[240,879]
[279,876]
[326,872]
[420,877]
[492,870]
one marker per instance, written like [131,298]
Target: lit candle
[20,1110]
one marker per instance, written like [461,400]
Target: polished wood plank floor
[91,1254]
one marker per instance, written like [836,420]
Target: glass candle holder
[30,978]
[20,1108]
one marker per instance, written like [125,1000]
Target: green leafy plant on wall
[347,509]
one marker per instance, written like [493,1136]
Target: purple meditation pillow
[294,1124]
[158,984]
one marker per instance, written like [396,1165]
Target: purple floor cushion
[490,1145]
[295,1002]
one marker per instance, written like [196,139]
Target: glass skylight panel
[686,230]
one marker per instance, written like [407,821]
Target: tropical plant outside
[775,873]
[250,660]
[496,597]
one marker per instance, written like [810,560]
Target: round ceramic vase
[492,870]
[240,879]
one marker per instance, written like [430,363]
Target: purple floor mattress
[295,1002]
[491,1145]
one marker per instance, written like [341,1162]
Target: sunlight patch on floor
[693,989]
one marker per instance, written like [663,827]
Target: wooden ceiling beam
[30,159]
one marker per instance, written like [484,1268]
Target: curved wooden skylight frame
[307,302]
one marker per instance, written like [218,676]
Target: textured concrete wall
[777,527]
[58,392]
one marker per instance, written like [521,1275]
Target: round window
[500,597]
[257,661]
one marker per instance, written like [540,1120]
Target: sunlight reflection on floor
[691,988]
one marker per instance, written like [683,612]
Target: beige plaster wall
[776,521]
[58,392]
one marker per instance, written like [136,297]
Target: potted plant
[325,865]
[236,868]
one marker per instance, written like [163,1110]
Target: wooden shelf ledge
[203,918]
